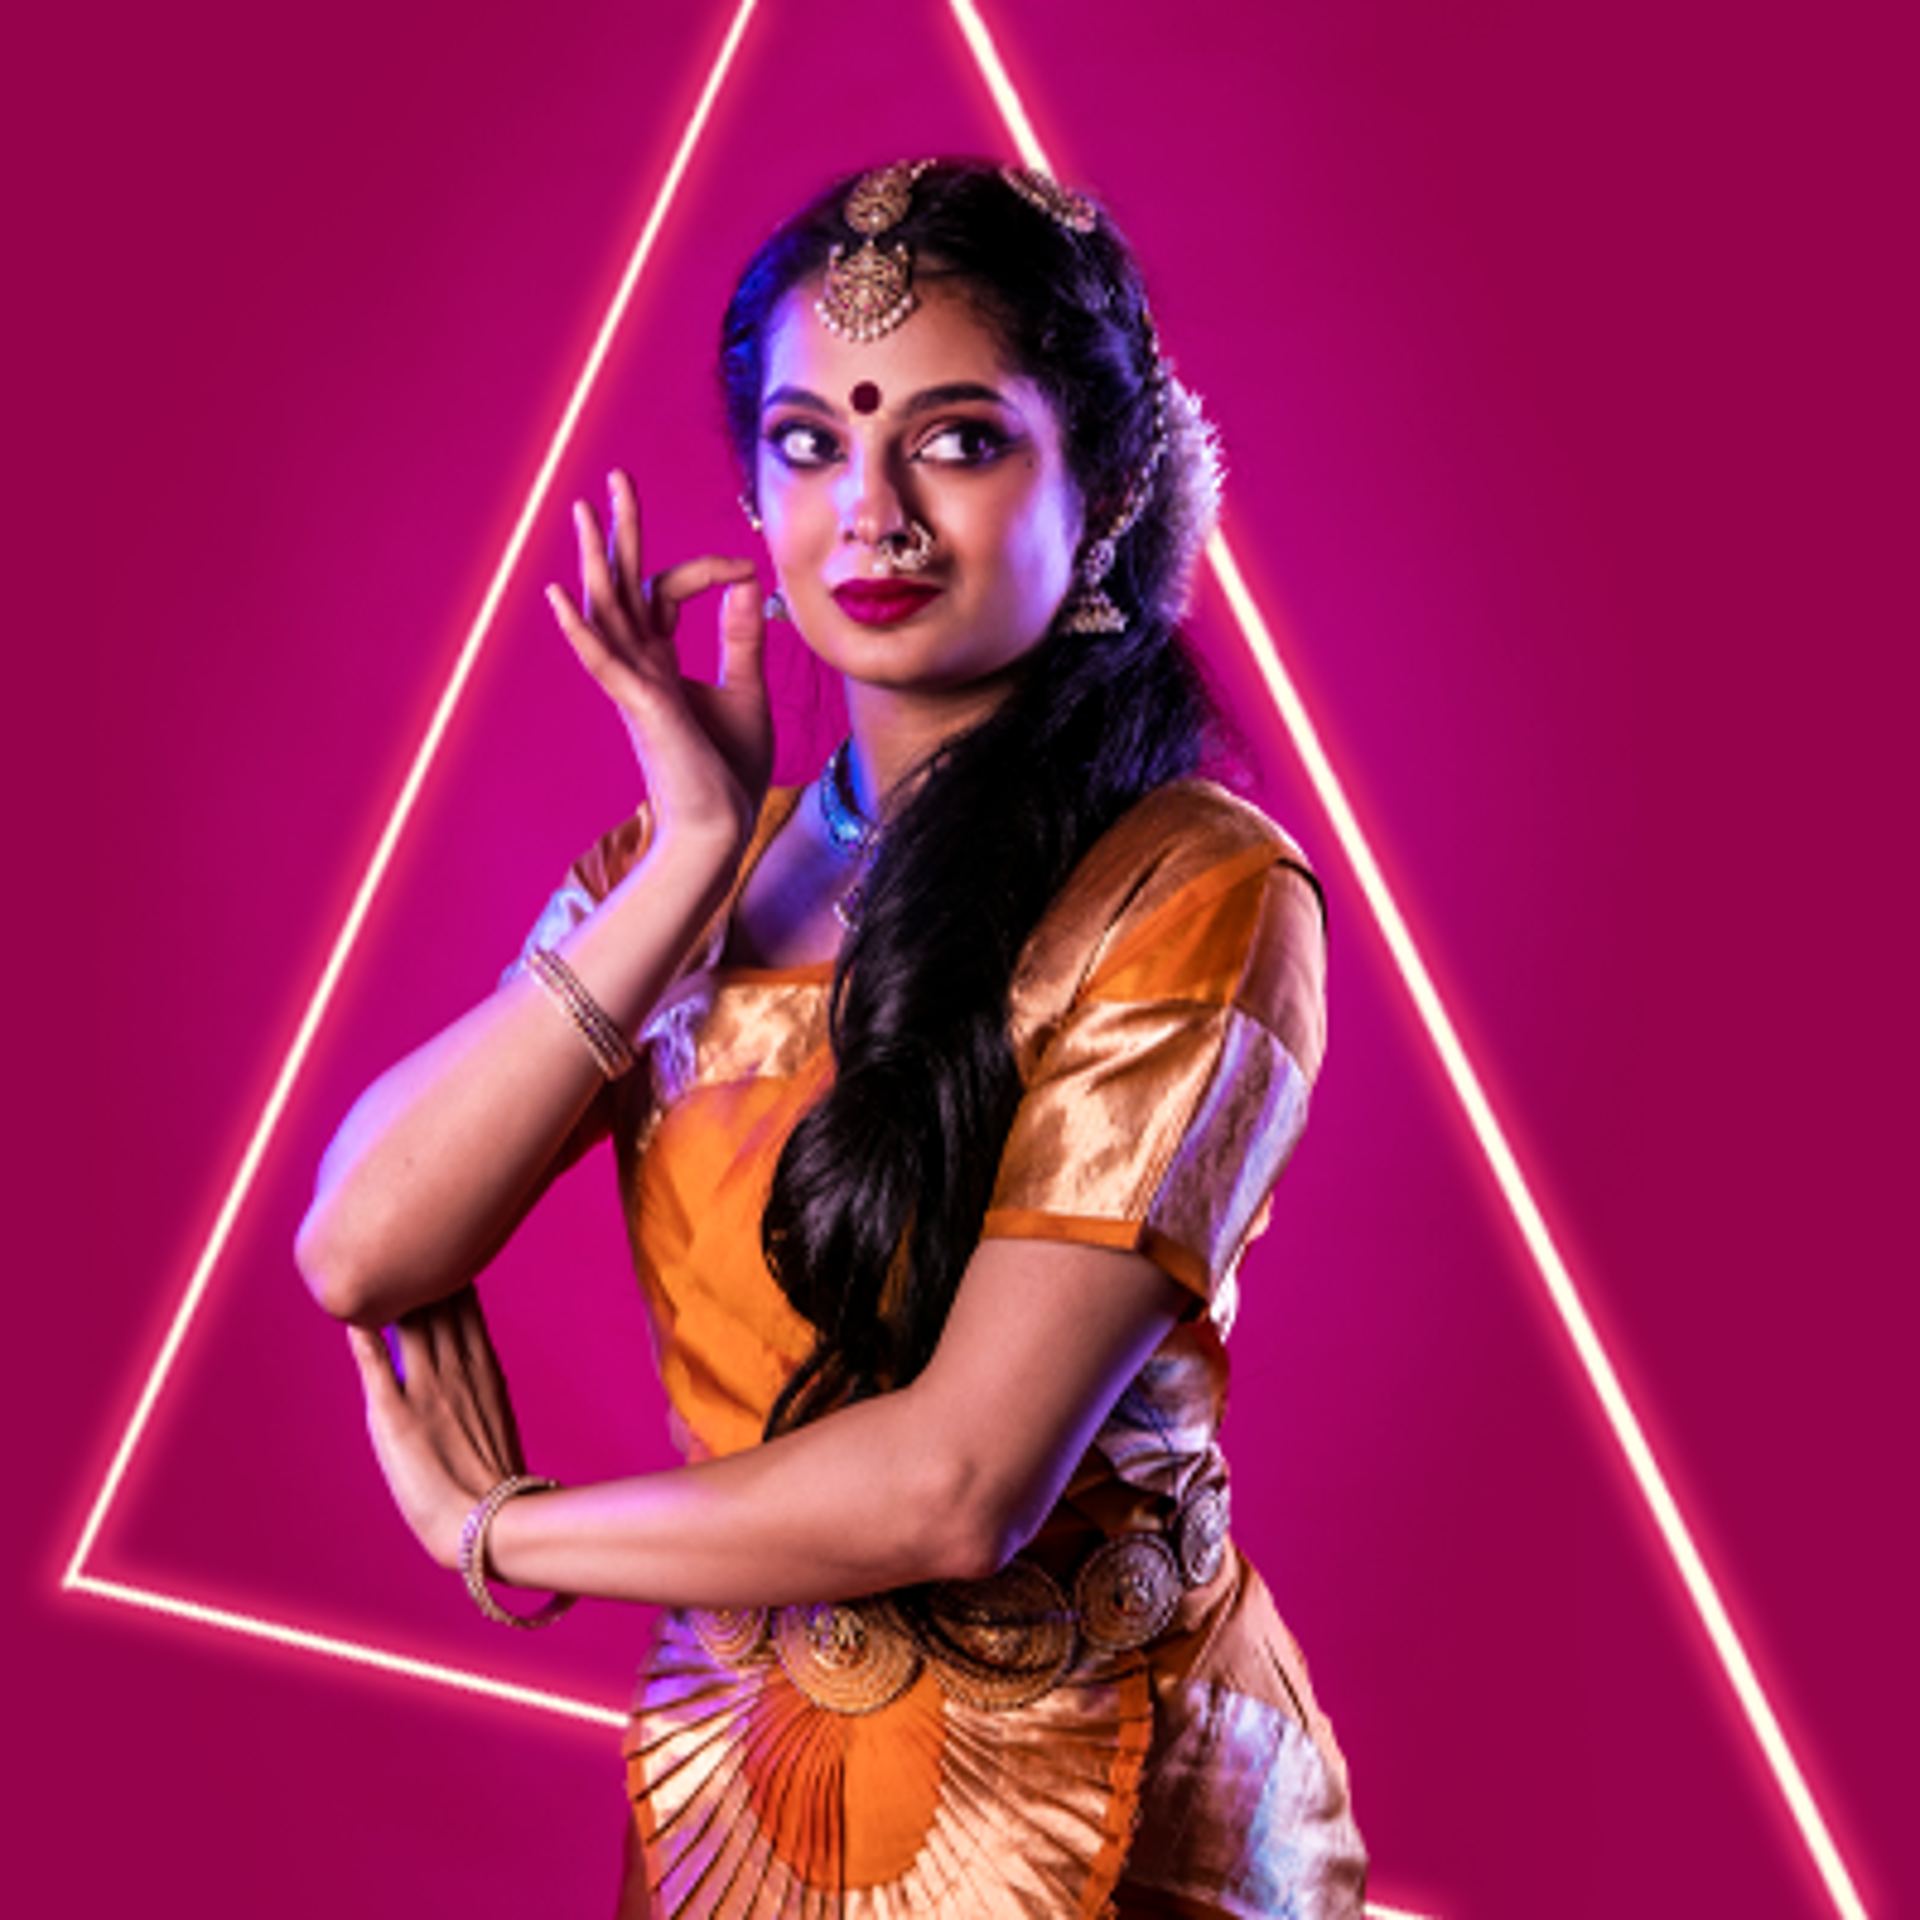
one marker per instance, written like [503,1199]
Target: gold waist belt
[993,1643]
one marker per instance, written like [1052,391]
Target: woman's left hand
[442,1424]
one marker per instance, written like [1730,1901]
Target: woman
[965,1074]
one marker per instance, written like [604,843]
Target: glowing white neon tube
[986,56]
[354,1652]
[1587,1345]
[1487,1131]
[1427,1002]
[402,810]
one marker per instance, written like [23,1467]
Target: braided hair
[879,1195]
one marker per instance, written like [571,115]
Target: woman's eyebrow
[928,399]
[795,397]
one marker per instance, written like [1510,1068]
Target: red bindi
[865,398]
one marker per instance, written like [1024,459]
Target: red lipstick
[882,603]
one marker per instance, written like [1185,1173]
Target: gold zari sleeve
[1169,1044]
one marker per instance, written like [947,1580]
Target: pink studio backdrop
[1563,360]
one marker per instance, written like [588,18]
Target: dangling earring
[774,606]
[751,511]
[1089,608]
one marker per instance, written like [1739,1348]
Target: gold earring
[1089,608]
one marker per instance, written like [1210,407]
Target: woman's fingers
[370,1355]
[669,590]
[409,1442]
[495,1432]
[705,750]
[743,636]
[734,713]
[623,545]
[615,667]
[600,595]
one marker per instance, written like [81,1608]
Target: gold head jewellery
[1194,497]
[1074,211]
[870,292]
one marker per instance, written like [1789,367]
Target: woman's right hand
[442,1156]
[706,752]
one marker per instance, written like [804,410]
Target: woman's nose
[869,499]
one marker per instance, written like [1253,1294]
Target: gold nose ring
[908,551]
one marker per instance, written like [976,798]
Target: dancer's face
[927,426]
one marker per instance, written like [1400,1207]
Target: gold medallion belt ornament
[995,1643]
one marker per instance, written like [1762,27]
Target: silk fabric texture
[1167,1018]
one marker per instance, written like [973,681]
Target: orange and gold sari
[1119,1723]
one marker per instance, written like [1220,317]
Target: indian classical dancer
[945,1094]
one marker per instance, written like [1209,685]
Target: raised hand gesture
[706,751]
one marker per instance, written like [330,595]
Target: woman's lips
[882,603]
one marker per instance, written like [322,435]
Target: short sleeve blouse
[1168,1015]
[1166,1019]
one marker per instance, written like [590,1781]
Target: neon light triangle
[1483,1122]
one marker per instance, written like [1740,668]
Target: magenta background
[1565,364]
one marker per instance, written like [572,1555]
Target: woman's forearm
[443,1154]
[943,1479]
[855,1504]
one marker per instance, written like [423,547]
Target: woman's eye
[963,443]
[799,443]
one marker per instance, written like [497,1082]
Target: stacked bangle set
[611,1048]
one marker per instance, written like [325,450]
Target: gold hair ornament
[1062,205]
[869,293]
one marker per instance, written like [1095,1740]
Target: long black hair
[879,1195]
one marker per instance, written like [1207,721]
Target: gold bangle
[612,1050]
[473,1555]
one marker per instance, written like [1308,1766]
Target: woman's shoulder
[1177,847]
[1184,830]
[1186,877]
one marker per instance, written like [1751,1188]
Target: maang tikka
[869,293]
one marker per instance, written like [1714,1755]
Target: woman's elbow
[339,1278]
[977,1528]
[978,1552]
